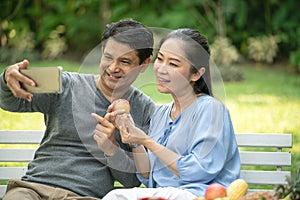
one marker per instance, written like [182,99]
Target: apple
[215,190]
[121,104]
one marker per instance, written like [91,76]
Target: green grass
[268,100]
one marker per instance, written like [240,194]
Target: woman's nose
[161,68]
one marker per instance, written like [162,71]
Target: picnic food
[214,191]
[121,104]
[237,189]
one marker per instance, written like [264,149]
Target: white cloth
[169,193]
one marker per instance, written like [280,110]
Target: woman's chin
[163,90]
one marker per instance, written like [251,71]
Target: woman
[191,142]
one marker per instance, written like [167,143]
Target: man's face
[118,59]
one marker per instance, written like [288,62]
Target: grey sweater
[68,156]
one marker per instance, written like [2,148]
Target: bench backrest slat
[264,140]
[16,155]
[265,177]
[266,158]
[21,136]
[12,172]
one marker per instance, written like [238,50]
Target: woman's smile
[162,81]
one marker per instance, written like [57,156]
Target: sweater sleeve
[8,101]
[122,168]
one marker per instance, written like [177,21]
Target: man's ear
[198,74]
[145,65]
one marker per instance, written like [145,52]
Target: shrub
[224,54]
[263,48]
[56,45]
[19,44]
[291,190]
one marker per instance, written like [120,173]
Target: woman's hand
[130,134]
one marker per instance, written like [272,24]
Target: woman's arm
[168,157]
[133,135]
[141,161]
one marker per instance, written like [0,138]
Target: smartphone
[47,79]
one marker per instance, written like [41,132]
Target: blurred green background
[255,45]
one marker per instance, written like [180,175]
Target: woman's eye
[159,59]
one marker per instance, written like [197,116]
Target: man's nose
[114,67]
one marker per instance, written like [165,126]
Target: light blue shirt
[204,137]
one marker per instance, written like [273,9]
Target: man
[68,164]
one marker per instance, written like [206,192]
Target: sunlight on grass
[262,113]
[257,99]
[21,121]
[267,101]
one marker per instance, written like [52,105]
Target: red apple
[121,104]
[215,190]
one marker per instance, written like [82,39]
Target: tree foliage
[83,21]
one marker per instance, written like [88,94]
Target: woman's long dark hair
[197,51]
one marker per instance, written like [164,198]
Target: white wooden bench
[14,149]
[270,151]
[10,153]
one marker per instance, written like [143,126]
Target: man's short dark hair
[133,33]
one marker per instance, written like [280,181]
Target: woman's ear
[198,74]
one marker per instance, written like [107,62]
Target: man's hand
[14,78]
[104,134]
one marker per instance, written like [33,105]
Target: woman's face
[172,69]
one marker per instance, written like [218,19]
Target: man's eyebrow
[107,54]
